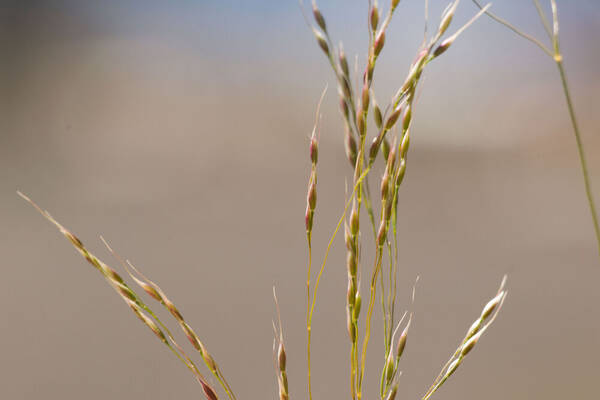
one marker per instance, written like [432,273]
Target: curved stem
[515,29]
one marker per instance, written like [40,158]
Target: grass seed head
[441,49]
[360,123]
[381,234]
[389,368]
[148,288]
[365,98]
[352,329]
[388,210]
[210,362]
[452,367]
[344,62]
[404,145]
[491,306]
[468,346]
[401,172]
[322,42]
[351,292]
[385,185]
[314,150]
[351,263]
[385,148]
[189,333]
[374,17]
[281,357]
[370,71]
[344,106]
[379,42]
[172,309]
[401,343]
[447,18]
[74,239]
[377,114]
[308,219]
[348,237]
[319,17]
[357,305]
[475,327]
[374,149]
[148,322]
[407,118]
[312,195]
[393,118]
[346,90]
[208,391]
[354,222]
[350,148]
[125,291]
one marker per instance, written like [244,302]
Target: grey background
[179,131]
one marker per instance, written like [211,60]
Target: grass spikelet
[374,16]
[148,321]
[279,355]
[318,16]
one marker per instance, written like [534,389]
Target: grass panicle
[355,112]
[136,304]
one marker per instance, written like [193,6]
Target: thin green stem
[515,29]
[308,314]
[353,366]
[368,205]
[580,148]
[543,18]
[363,360]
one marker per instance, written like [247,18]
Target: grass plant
[389,141]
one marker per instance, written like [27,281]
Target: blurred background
[179,131]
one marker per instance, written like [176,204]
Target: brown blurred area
[180,133]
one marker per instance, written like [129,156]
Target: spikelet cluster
[356,103]
[477,329]
[145,313]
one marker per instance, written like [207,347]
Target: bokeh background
[179,131]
